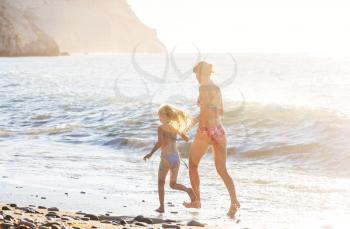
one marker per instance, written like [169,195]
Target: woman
[210,133]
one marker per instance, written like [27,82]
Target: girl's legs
[174,185]
[162,173]
[198,148]
[220,164]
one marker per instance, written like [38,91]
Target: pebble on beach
[53,209]
[142,219]
[52,218]
[195,223]
[91,217]
[5,208]
[173,226]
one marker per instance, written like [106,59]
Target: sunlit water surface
[83,123]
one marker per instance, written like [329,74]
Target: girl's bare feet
[160,210]
[193,204]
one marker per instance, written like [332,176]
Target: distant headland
[50,28]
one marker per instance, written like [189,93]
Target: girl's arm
[184,136]
[156,146]
[154,149]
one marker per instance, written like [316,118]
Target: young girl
[174,122]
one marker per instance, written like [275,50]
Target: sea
[74,130]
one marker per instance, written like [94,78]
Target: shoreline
[41,217]
[24,200]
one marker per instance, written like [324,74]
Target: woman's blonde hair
[203,67]
[177,118]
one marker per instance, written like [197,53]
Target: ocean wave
[259,131]
[278,151]
[59,129]
[296,134]
[134,143]
[41,117]
[277,114]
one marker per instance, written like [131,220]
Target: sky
[250,26]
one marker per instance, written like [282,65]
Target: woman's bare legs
[174,185]
[162,173]
[220,155]
[198,148]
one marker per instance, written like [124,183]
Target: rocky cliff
[20,36]
[91,25]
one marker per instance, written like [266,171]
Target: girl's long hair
[179,119]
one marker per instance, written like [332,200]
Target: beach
[74,130]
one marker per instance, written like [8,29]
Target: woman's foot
[193,204]
[160,210]
[233,209]
[237,203]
